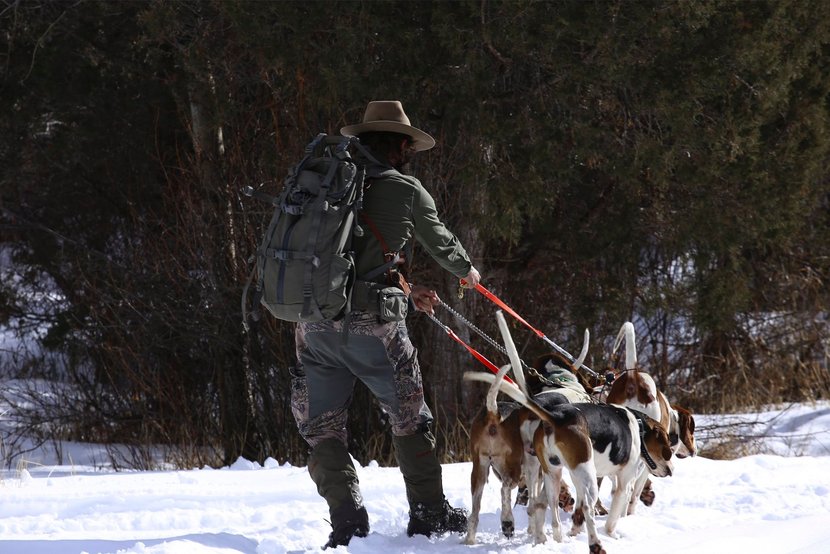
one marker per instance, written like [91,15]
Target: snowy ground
[768,503]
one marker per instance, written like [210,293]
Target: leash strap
[500,303]
[476,354]
[484,335]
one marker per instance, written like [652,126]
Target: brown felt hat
[388,115]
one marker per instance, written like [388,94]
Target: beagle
[637,390]
[564,439]
[623,441]
[497,442]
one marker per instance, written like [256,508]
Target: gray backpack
[305,263]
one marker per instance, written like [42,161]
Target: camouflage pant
[379,354]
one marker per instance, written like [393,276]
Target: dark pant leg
[381,356]
[321,392]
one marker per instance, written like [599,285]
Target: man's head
[387,116]
[396,148]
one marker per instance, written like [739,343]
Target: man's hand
[472,278]
[424,299]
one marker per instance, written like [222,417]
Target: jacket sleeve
[435,238]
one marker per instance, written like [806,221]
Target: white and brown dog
[638,391]
[618,440]
[623,441]
[575,390]
[626,444]
[498,442]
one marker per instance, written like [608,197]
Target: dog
[496,440]
[622,441]
[638,391]
[626,443]
[496,443]
[552,374]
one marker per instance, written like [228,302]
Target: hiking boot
[332,470]
[425,520]
[348,523]
[420,468]
[341,535]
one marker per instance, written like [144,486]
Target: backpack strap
[392,259]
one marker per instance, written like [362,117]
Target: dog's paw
[577,521]
[507,528]
[596,549]
[611,531]
[647,496]
[566,501]
[600,510]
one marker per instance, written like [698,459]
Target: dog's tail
[494,388]
[512,352]
[507,388]
[584,353]
[627,333]
[495,382]
[517,393]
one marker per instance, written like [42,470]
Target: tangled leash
[492,342]
[476,354]
[501,304]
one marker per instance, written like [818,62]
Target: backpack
[305,263]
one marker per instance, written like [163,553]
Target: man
[374,347]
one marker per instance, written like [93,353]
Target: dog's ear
[660,438]
[667,450]
[686,421]
[685,418]
[644,394]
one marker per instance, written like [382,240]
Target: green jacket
[401,208]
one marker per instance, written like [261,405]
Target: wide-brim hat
[388,115]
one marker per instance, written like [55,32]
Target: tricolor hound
[569,446]
[638,391]
[496,442]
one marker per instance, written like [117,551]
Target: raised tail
[627,333]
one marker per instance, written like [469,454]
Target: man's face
[407,155]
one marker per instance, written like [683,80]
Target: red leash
[476,354]
[500,303]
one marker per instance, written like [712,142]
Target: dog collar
[641,424]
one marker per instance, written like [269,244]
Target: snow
[776,502]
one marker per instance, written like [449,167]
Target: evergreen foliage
[659,161]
